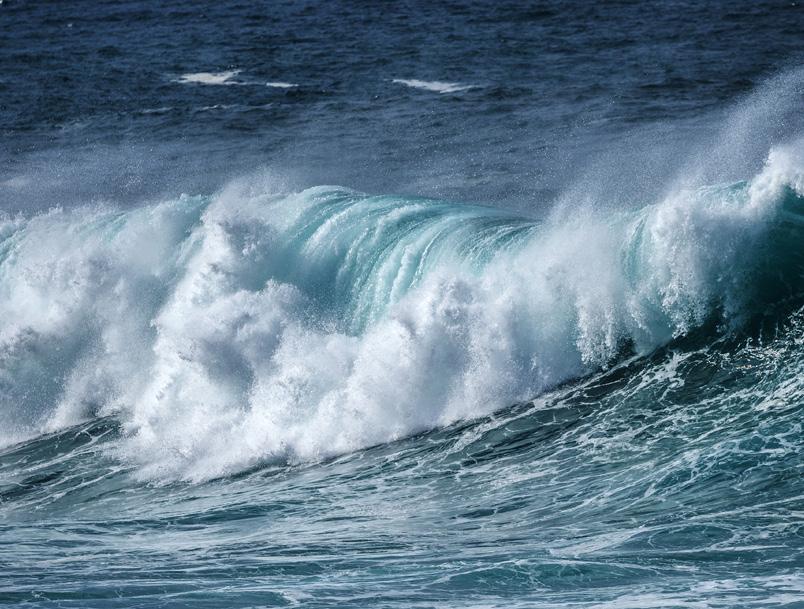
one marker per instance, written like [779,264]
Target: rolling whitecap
[231,330]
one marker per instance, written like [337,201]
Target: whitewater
[245,327]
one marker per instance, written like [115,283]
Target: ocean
[402,304]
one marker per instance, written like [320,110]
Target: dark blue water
[555,88]
[401,304]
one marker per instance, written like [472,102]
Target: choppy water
[541,347]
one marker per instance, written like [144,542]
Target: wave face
[228,331]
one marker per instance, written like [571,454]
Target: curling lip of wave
[229,330]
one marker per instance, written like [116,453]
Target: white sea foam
[230,78]
[435,86]
[210,78]
[160,110]
[226,331]
[217,107]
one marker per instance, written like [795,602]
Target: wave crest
[223,331]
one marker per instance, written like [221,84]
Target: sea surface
[402,304]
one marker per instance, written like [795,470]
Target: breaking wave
[223,331]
